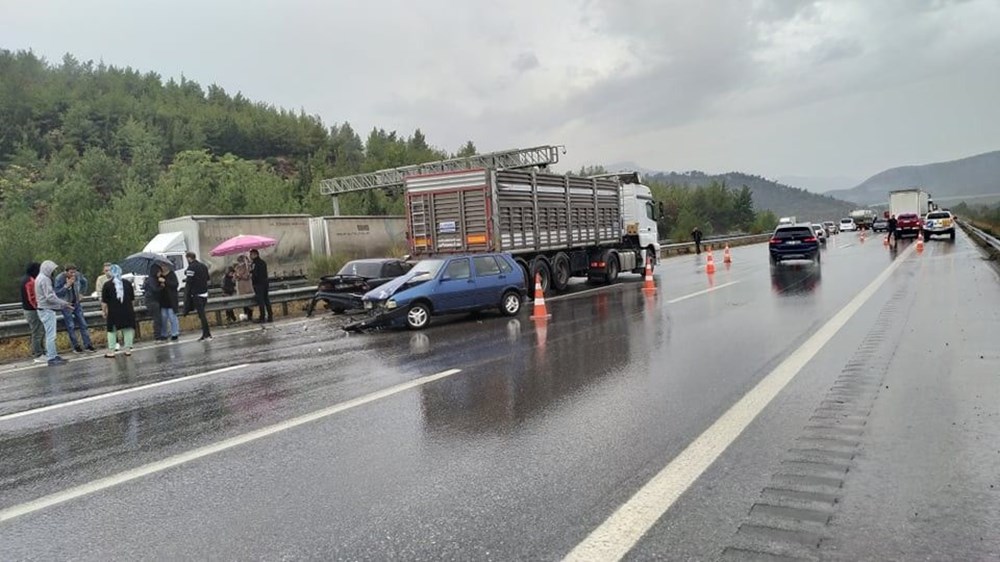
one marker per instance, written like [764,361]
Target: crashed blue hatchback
[445,285]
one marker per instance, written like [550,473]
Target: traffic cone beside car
[710,263]
[539,312]
[920,243]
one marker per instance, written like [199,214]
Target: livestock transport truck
[556,226]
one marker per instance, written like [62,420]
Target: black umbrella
[140,262]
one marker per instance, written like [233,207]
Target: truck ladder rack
[393,177]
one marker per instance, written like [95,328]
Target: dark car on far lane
[343,291]
[794,242]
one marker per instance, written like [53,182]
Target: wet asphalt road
[883,446]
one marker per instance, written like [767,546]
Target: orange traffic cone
[920,243]
[647,285]
[726,256]
[862,236]
[885,241]
[710,264]
[540,310]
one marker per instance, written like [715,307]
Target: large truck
[863,218]
[556,226]
[909,207]
[299,237]
[914,201]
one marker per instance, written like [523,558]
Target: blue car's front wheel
[511,303]
[418,316]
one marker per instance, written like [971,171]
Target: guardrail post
[284,308]
[218,317]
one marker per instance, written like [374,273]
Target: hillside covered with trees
[93,156]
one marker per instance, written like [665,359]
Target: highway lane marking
[702,292]
[620,532]
[587,291]
[844,246]
[201,452]
[51,407]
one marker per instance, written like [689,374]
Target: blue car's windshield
[430,266]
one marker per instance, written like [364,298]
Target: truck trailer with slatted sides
[556,226]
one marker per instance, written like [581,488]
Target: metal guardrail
[216,306]
[12,310]
[991,242]
[688,247]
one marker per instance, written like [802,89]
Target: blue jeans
[169,319]
[74,320]
[48,318]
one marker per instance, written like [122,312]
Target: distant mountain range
[782,200]
[818,184]
[973,179]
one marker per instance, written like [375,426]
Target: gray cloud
[762,85]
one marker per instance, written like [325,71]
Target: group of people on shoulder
[42,296]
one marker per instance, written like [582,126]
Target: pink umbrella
[242,243]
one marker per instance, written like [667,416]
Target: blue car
[446,285]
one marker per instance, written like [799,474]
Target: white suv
[847,224]
[939,222]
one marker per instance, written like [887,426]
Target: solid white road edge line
[620,532]
[50,407]
[170,462]
[699,293]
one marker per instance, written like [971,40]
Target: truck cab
[639,213]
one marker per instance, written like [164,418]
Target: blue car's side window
[458,269]
[486,266]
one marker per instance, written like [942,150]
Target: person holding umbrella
[151,293]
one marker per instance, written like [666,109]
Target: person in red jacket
[29,305]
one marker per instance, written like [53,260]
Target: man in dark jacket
[259,278]
[197,292]
[29,305]
[696,236]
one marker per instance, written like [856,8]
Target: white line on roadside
[620,532]
[844,246]
[699,293]
[170,462]
[49,408]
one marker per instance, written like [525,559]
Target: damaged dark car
[343,292]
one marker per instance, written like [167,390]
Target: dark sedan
[343,291]
[794,242]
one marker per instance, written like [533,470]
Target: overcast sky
[773,87]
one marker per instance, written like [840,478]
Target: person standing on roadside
[243,284]
[29,306]
[70,285]
[168,304]
[117,298]
[229,289]
[197,292]
[260,280]
[103,278]
[696,236]
[890,228]
[48,304]
[151,296]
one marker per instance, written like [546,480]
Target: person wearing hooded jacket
[71,285]
[48,304]
[29,305]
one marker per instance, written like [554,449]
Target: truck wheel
[560,272]
[540,267]
[418,316]
[612,269]
[510,303]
